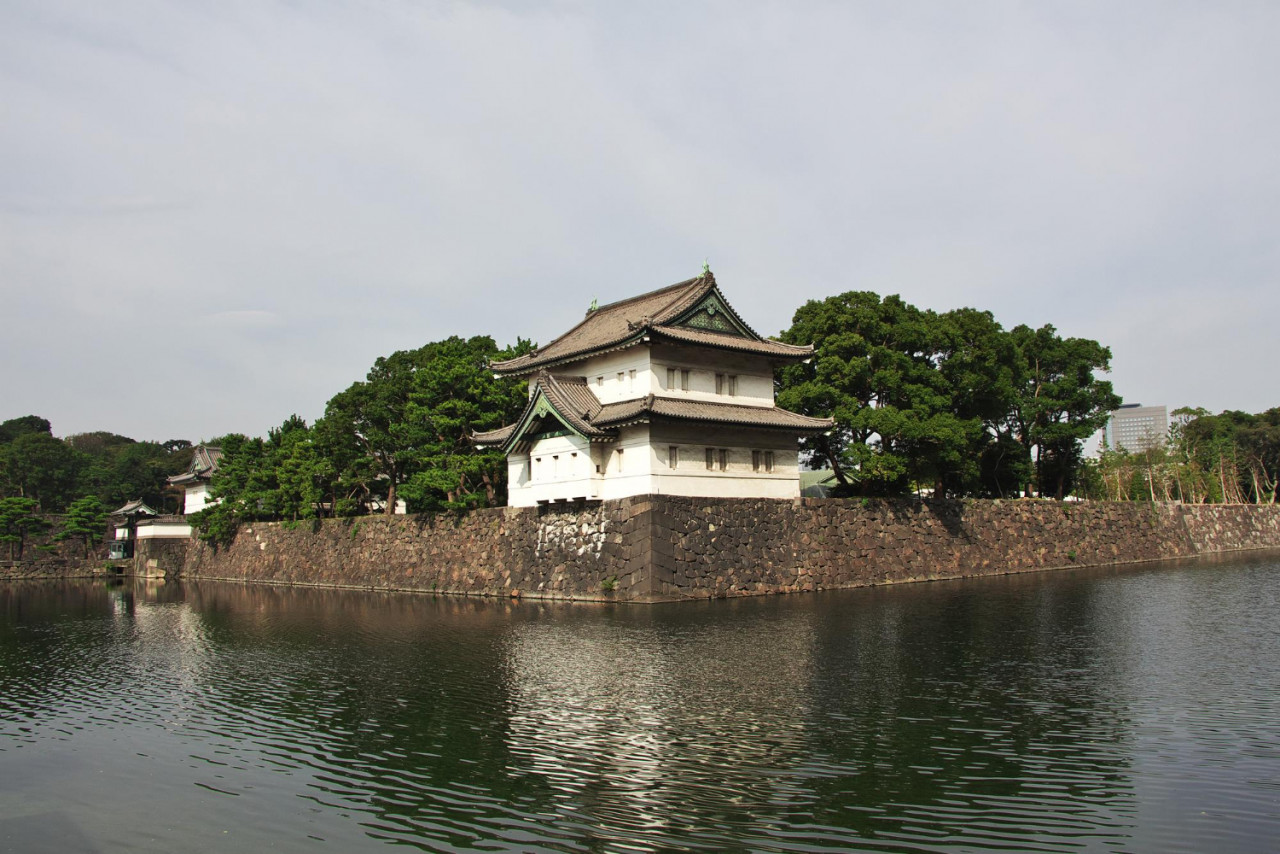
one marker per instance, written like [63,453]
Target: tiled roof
[135,506]
[204,462]
[569,396]
[709,411]
[620,323]
[573,399]
[733,342]
[493,438]
[612,324]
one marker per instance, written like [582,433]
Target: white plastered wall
[558,468]
[163,530]
[754,374]
[196,498]
[739,478]
[621,375]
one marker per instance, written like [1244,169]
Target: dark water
[1116,710]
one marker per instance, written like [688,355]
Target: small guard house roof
[204,462]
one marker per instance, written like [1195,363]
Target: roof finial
[706,266]
[594,305]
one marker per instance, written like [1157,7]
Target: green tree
[455,396]
[302,474]
[240,491]
[1259,442]
[119,469]
[407,422]
[15,427]
[19,518]
[1060,402]
[36,465]
[979,365]
[85,520]
[913,393]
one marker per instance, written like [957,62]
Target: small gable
[712,314]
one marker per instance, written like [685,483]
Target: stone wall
[726,548]
[569,552]
[664,548]
[43,556]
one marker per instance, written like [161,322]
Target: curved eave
[540,405]
[630,340]
[775,350]
[707,412]
[818,425]
[492,438]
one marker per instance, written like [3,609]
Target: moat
[1122,709]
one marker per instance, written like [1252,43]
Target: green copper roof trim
[549,434]
[541,407]
[713,314]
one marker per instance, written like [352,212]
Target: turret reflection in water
[657,728]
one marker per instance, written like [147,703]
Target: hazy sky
[213,215]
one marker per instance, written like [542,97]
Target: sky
[216,215]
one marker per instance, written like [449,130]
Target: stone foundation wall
[726,548]
[45,557]
[664,548]
[571,552]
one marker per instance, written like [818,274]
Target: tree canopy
[19,518]
[55,472]
[399,434]
[950,402]
[86,521]
[1232,457]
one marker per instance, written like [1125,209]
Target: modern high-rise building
[1134,427]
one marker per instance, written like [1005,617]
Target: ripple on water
[1089,712]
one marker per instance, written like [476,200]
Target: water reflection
[660,731]
[1101,710]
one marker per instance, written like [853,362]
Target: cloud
[245,319]
[269,196]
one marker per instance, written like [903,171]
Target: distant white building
[1134,427]
[195,480]
[195,497]
[669,392]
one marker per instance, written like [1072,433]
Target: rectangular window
[755,461]
[600,381]
[555,466]
[622,376]
[719,383]
[618,467]
[711,459]
[631,380]
[733,386]
[768,461]
[724,459]
[673,456]
[684,380]
[671,379]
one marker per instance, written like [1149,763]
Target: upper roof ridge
[653,293]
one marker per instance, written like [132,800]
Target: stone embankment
[43,556]
[664,548]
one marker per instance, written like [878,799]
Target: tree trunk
[390,509]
